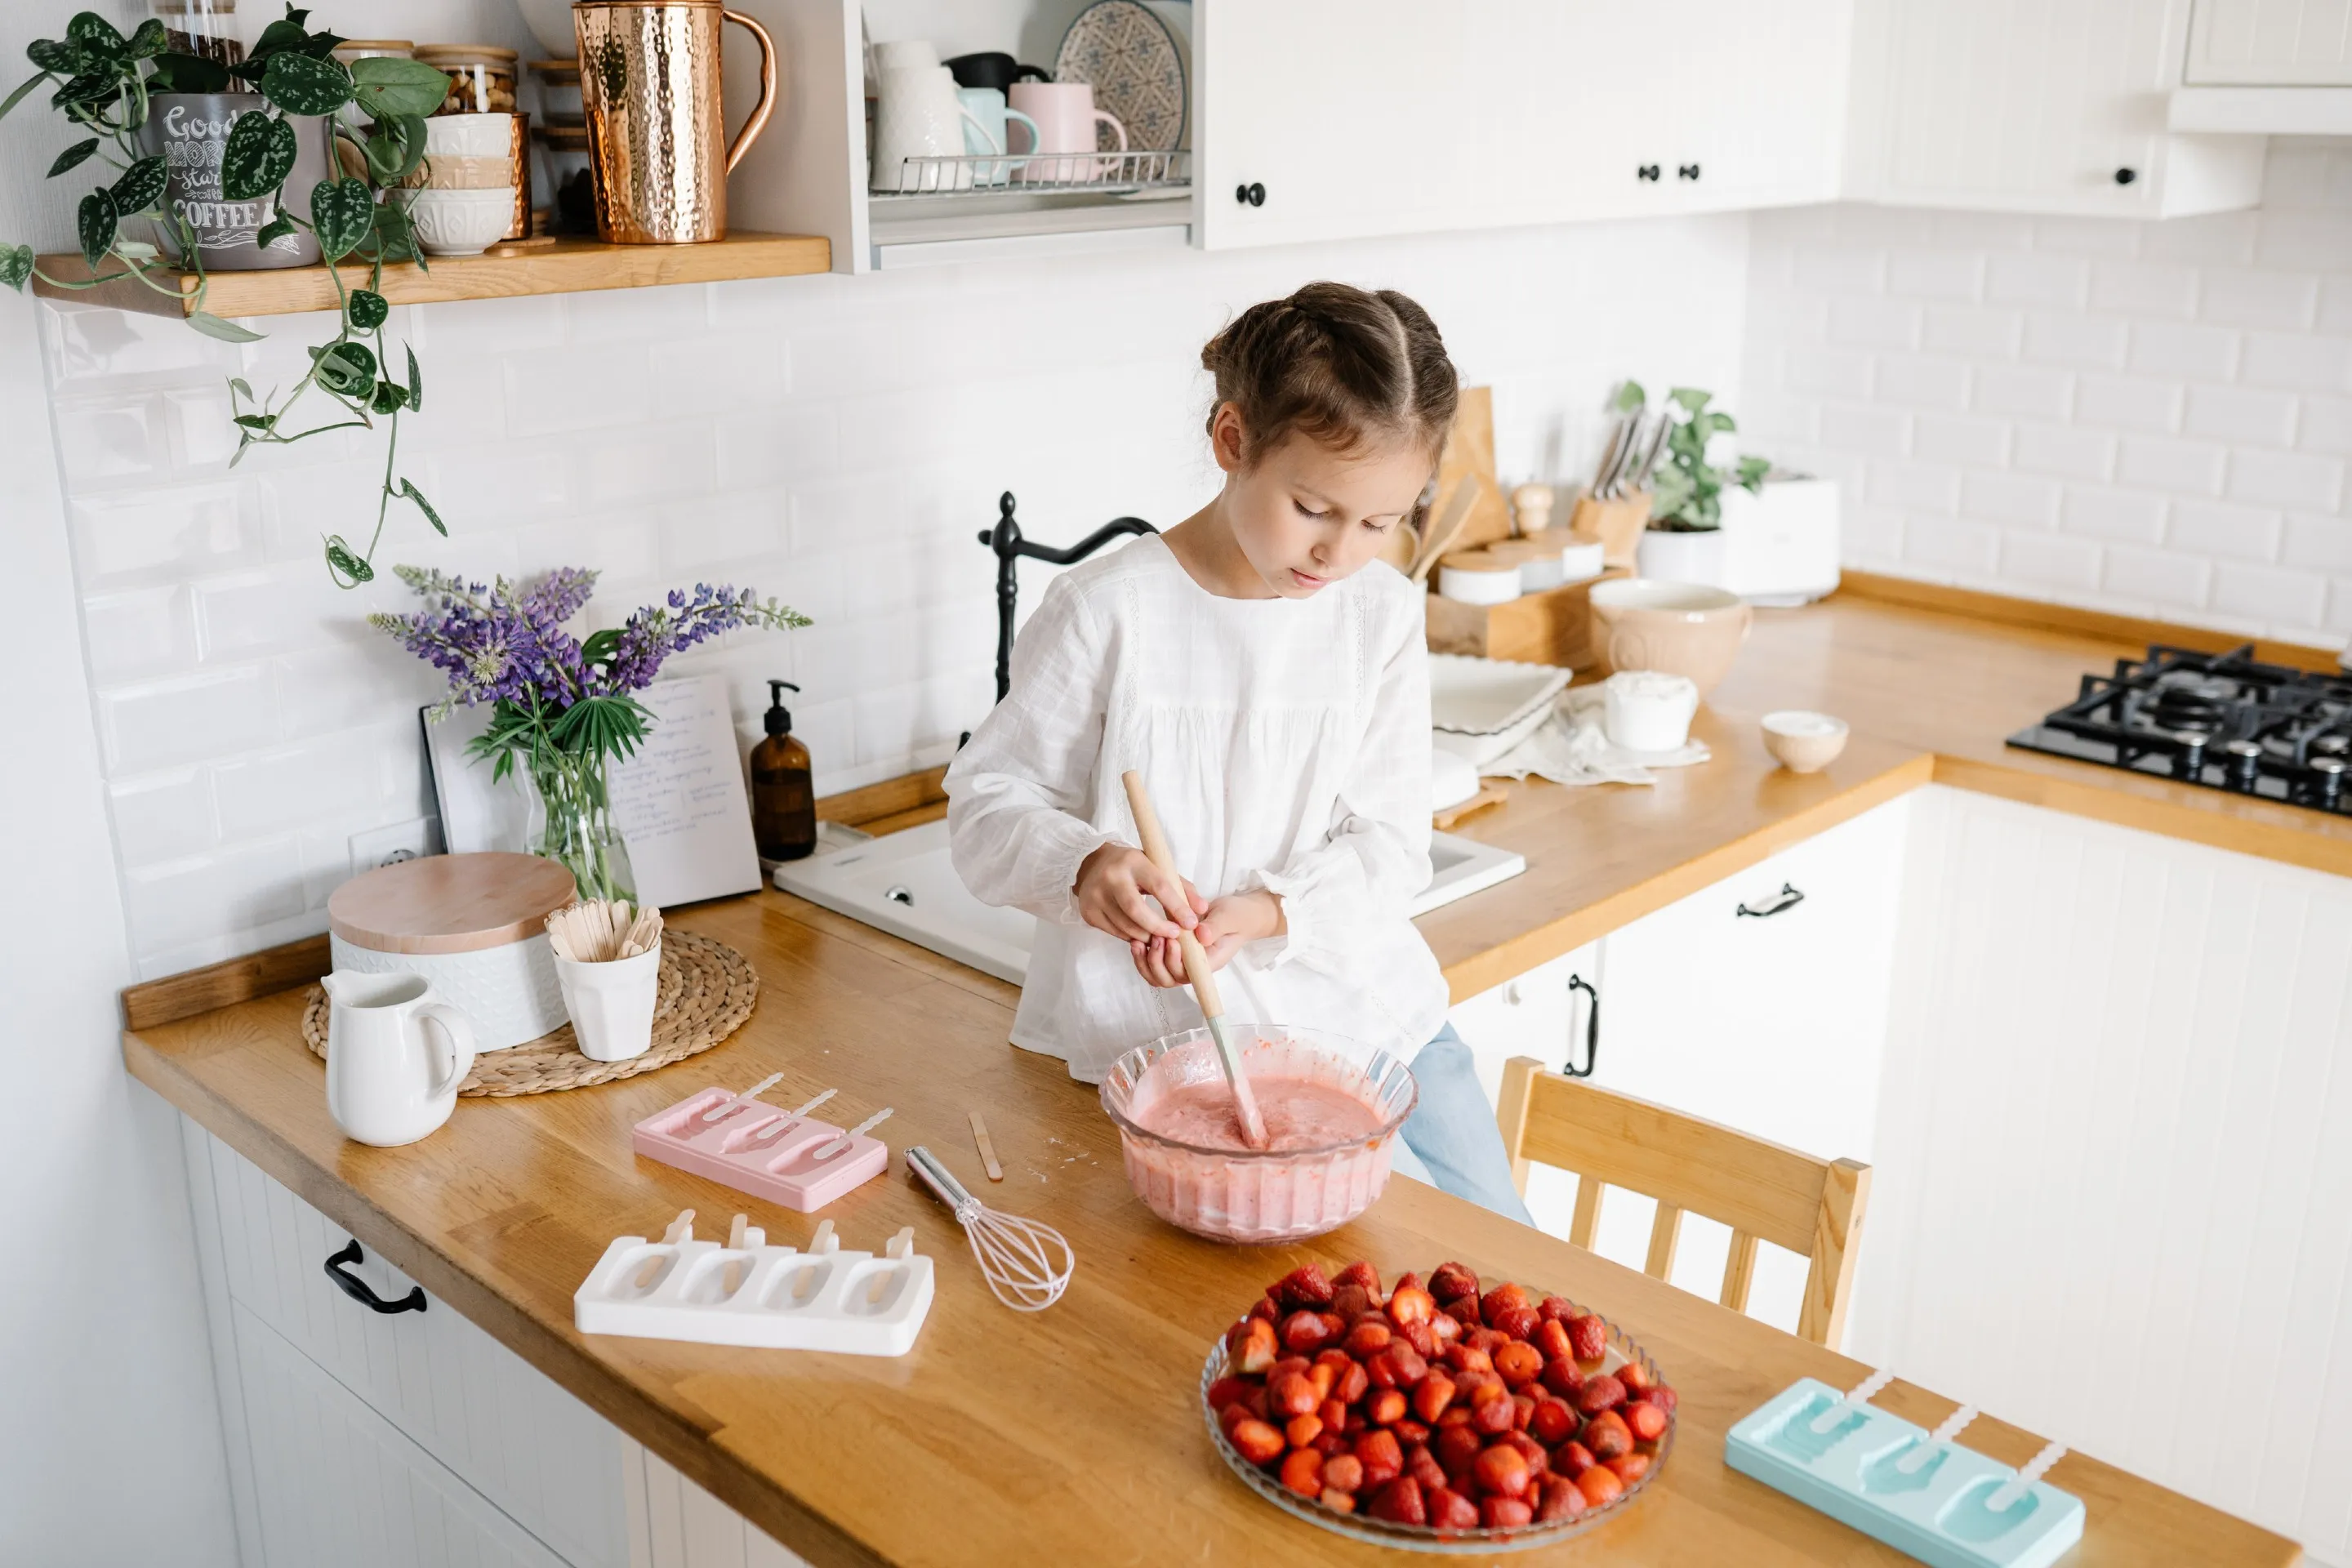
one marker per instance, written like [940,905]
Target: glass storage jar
[481,77]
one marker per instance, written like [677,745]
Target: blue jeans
[1451,1141]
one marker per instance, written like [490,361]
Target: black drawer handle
[1577,983]
[1646,171]
[354,1287]
[1782,902]
[1686,172]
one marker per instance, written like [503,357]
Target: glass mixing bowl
[1229,1194]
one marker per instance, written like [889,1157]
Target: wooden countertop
[1930,697]
[1071,1436]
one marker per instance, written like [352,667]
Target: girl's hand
[1224,927]
[1116,889]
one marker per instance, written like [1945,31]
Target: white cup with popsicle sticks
[608,961]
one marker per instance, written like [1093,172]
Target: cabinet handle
[1686,171]
[1250,195]
[1782,902]
[354,1287]
[1646,171]
[1577,983]
[2126,176]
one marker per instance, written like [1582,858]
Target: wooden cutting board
[1470,454]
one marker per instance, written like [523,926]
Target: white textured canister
[473,925]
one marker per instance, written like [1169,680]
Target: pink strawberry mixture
[1437,1405]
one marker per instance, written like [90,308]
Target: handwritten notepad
[679,802]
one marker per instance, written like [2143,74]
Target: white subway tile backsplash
[1916,486]
[2240,415]
[550,391]
[1835,373]
[206,899]
[2176,466]
[2035,278]
[2011,498]
[2125,515]
[2129,403]
[2286,478]
[1917,383]
[2051,562]
[162,816]
[654,463]
[719,375]
[2215,239]
[2027,390]
[2248,298]
[2313,238]
[1870,432]
[1945,438]
[1866,320]
[2326,425]
[700,534]
[2144,288]
[2157,577]
[259,794]
[1935,274]
[167,722]
[1949,546]
[2303,361]
[1840,271]
[2067,453]
[110,442]
[140,536]
[1984,332]
[139,632]
[2319,544]
[2267,595]
[2195,353]
[202,434]
[2335,305]
[2087,236]
[2065,338]
[2215,529]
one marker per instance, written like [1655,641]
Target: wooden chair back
[1762,1191]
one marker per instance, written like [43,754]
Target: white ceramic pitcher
[388,1080]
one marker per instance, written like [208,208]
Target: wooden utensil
[1197,973]
[1439,536]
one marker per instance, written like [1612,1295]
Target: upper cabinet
[2035,106]
[2270,43]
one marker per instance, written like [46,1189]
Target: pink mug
[1066,117]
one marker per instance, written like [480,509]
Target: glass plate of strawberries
[1439,1417]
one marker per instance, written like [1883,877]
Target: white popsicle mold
[769,1298]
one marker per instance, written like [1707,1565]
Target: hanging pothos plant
[102,84]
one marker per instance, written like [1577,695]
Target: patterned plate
[1134,54]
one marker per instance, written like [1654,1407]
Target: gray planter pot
[191,128]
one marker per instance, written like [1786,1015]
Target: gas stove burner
[2224,721]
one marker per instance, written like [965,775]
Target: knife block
[759,1149]
[1551,626]
[1616,525]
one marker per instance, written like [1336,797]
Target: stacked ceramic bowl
[462,197]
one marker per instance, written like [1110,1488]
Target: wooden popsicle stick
[680,1229]
[735,1271]
[1197,971]
[987,1149]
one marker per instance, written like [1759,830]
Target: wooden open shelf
[543,266]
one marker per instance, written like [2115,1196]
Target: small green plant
[103,83]
[1686,494]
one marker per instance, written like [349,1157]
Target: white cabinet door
[1546,1014]
[2270,43]
[2041,106]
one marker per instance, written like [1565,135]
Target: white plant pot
[1684,557]
[1782,543]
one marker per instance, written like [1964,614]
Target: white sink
[902,883]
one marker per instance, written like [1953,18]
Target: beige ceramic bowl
[1803,742]
[1683,628]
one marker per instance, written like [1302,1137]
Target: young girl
[1270,682]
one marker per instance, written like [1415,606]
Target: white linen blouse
[1286,744]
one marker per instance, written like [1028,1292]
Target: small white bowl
[1801,742]
[470,135]
[459,222]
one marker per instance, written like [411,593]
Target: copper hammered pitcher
[649,84]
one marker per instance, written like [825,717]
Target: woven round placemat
[705,991]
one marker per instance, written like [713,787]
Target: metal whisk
[1016,1255]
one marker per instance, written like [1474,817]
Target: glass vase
[573,823]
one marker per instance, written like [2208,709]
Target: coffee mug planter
[190,130]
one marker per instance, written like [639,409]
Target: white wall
[2148,418]
[110,1439]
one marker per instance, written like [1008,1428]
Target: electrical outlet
[401,841]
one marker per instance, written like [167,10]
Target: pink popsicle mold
[760,1150]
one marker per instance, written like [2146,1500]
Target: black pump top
[779,718]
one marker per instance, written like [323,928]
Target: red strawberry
[1330,1442]
[1432,1394]
[1422,1466]
[1502,1295]
[1339,1502]
[1519,1320]
[1646,1421]
[1400,1502]
[1494,1416]
[1449,1509]
[1452,1281]
[1590,1335]
[1385,1406]
[1258,1350]
[1665,1398]
[1225,1391]
[1266,1307]
[1259,1442]
[1298,1363]
[1410,1304]
[1538,1460]
[1523,1411]
[1408,1363]
[1292,1393]
[1636,1379]
[1381,1456]
[1550,1337]
[1304,1286]
[1350,1302]
[1334,1414]
[1302,1472]
[1600,1487]
[1555,1309]
[1600,1394]
[1420,1335]
[1366,1341]
[1409,1430]
[1464,1311]
[1505,1512]
[1343,1473]
[1444,1328]
[1409,1280]
[1468,1358]
[1501,1470]
[1573,1460]
[1486,1339]
[1300,1431]
[1561,1500]
[1564,1378]
[1607,1436]
[1303,1332]
[1232,1415]
[1518,1363]
[1334,1362]
[1631,1467]
[1351,1384]
[1553,1422]
[1457,1450]
[1360,1275]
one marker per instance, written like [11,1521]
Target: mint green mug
[987,138]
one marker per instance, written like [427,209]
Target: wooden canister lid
[1486,558]
[449,903]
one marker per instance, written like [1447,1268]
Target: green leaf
[349,570]
[388,87]
[299,84]
[1631,396]
[415,384]
[367,311]
[95,225]
[17,97]
[259,157]
[287,33]
[1689,399]
[83,91]
[54,54]
[228,332]
[395,234]
[273,231]
[390,397]
[258,421]
[72,156]
[15,265]
[141,186]
[598,647]
[149,41]
[409,490]
[347,368]
[242,387]
[96,36]
[341,211]
[395,149]
[1752,470]
[188,73]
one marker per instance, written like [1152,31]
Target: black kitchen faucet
[1009,547]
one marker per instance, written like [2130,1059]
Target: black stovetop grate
[2225,721]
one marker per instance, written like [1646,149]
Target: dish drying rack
[989,174]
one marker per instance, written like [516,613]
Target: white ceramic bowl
[1683,628]
[470,135]
[460,223]
[1803,742]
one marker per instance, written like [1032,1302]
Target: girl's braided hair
[1341,365]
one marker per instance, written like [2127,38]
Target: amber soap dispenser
[784,798]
